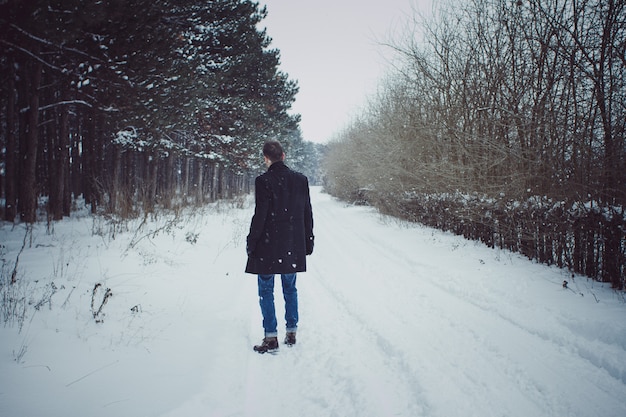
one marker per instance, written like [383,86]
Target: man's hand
[309,245]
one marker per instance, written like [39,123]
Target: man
[281,235]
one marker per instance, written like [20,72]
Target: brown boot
[270,344]
[290,338]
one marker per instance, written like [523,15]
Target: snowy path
[410,322]
[395,320]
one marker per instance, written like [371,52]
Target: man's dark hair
[273,151]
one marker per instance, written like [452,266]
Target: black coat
[281,232]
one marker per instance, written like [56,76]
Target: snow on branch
[63,103]
[126,136]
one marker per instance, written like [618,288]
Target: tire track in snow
[394,327]
[361,337]
[544,324]
[474,317]
[363,354]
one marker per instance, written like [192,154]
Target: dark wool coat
[281,232]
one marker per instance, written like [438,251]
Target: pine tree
[126,86]
[253,96]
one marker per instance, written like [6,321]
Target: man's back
[282,223]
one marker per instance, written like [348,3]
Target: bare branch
[46,42]
[63,103]
[34,56]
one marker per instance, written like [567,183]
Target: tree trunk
[59,164]
[89,161]
[115,188]
[27,203]
[186,177]
[11,165]
[199,183]
[153,171]
[612,254]
[76,167]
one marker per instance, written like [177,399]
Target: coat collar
[277,166]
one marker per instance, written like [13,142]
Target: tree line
[133,104]
[503,121]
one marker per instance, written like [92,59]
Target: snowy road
[395,320]
[405,321]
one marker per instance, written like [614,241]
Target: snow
[396,319]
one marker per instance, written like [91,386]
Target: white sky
[332,48]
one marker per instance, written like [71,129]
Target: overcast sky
[332,48]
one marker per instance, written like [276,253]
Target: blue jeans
[266,300]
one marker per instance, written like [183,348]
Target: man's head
[273,152]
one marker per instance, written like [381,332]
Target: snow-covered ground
[395,320]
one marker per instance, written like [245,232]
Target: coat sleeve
[262,198]
[308,221]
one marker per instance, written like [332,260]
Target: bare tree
[512,101]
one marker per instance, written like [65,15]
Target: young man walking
[281,235]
